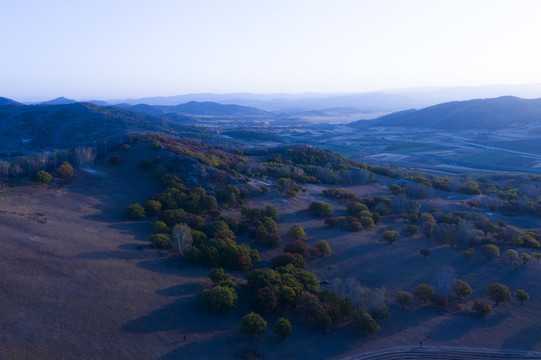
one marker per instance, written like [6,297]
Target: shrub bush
[219,298]
[43,177]
[135,211]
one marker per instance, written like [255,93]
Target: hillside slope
[64,126]
[502,112]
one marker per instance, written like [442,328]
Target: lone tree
[424,252]
[491,251]
[522,295]
[403,298]
[135,211]
[423,292]
[43,177]
[282,328]
[525,258]
[65,170]
[537,256]
[390,236]
[296,232]
[461,288]
[252,324]
[323,248]
[511,254]
[481,308]
[498,292]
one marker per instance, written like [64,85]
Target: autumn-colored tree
[403,298]
[423,292]
[65,170]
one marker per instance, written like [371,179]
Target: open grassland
[81,281]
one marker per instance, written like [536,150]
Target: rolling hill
[7,101]
[502,112]
[64,126]
[197,108]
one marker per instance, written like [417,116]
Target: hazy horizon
[126,49]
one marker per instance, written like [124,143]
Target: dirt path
[444,352]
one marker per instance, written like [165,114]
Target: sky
[120,49]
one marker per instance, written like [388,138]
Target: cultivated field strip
[443,353]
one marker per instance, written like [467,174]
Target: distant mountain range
[49,126]
[502,112]
[384,101]
[206,108]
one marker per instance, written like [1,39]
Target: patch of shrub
[43,177]
[160,240]
[219,298]
[135,211]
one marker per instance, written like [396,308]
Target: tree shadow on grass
[457,326]
[527,338]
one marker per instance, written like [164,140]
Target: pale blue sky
[119,48]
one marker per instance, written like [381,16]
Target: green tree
[160,240]
[481,308]
[320,208]
[525,258]
[152,207]
[364,323]
[367,221]
[323,248]
[461,288]
[284,259]
[135,211]
[412,229]
[498,292]
[217,275]
[296,232]
[403,298]
[219,298]
[511,254]
[43,177]
[491,251]
[282,328]
[259,278]
[423,292]
[390,235]
[537,256]
[522,295]
[160,227]
[252,324]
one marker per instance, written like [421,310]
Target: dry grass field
[80,281]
